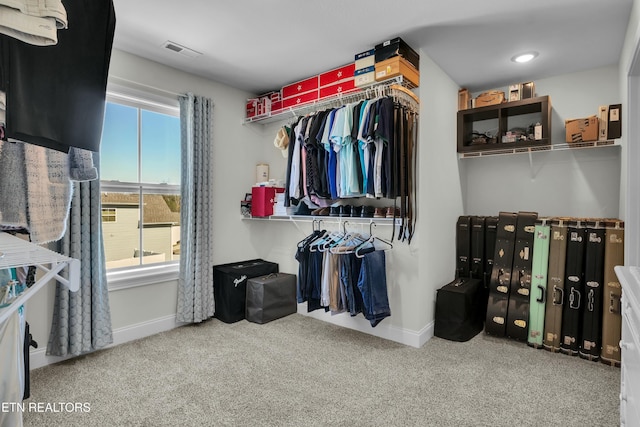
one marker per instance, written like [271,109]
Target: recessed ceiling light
[524,57]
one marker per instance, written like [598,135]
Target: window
[108,215]
[140,182]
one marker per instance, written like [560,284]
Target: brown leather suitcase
[611,316]
[555,285]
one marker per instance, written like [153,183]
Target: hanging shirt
[294,181]
[331,158]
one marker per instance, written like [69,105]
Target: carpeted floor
[298,371]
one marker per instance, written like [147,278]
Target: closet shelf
[544,148]
[354,95]
[327,219]
[15,252]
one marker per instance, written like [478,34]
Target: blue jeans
[349,272]
[373,286]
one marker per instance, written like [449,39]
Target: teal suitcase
[537,296]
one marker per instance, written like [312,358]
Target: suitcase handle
[574,297]
[590,298]
[541,299]
[614,303]
[558,291]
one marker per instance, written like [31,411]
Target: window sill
[142,276]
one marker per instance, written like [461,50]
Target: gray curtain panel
[195,285]
[82,319]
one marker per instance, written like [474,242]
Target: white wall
[629,72]
[583,183]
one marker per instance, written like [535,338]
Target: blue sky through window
[160,146]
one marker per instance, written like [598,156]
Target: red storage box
[301,99]
[335,89]
[262,200]
[297,88]
[337,75]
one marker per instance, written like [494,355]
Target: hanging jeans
[373,286]
[349,271]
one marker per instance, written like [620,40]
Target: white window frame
[141,275]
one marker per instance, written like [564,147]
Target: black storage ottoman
[230,286]
[459,311]
[271,297]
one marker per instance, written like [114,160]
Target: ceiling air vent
[175,47]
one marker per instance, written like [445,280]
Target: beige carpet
[299,371]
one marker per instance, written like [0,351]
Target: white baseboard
[39,358]
[382,330]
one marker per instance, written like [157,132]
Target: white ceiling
[261,45]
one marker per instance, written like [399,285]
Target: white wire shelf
[538,149]
[326,219]
[337,100]
[15,252]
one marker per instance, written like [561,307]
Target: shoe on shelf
[345,210]
[335,211]
[320,211]
[356,211]
[303,209]
[390,212]
[380,213]
[367,212]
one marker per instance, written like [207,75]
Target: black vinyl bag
[459,311]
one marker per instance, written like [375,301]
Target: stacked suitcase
[547,281]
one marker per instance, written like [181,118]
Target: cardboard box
[365,76]
[463,99]
[493,97]
[397,47]
[297,88]
[337,75]
[397,66]
[515,92]
[345,86]
[582,130]
[603,119]
[365,59]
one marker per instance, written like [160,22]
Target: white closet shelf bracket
[15,252]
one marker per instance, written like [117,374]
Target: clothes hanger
[405,91]
[363,249]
